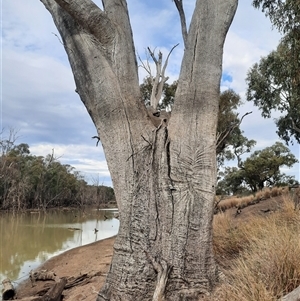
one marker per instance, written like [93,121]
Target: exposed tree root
[163,269]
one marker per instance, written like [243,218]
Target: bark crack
[194,56]
[172,188]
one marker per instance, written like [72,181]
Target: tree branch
[179,6]
[160,78]
[166,62]
[89,16]
[144,66]
[295,127]
[229,131]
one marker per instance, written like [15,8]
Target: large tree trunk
[164,176]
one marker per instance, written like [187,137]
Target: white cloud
[89,160]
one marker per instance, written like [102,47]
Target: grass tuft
[242,202]
[260,257]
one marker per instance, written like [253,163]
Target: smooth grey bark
[163,171]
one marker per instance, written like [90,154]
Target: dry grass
[242,202]
[260,258]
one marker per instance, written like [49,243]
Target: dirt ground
[93,259]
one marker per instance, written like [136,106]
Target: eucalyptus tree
[260,169]
[273,83]
[163,171]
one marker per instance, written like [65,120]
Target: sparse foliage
[273,83]
[261,169]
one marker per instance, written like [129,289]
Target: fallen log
[54,293]
[8,290]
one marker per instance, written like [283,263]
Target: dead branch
[81,279]
[160,79]
[54,293]
[167,60]
[98,139]
[43,275]
[229,131]
[144,66]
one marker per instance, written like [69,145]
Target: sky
[38,98]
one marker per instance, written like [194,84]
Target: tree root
[163,269]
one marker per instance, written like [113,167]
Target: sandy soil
[93,259]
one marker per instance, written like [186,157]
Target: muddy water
[29,239]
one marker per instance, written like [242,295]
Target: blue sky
[38,92]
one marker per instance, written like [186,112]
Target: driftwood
[80,280]
[70,282]
[292,296]
[54,293]
[43,275]
[8,290]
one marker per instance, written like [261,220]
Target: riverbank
[92,260]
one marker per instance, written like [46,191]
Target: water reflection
[29,239]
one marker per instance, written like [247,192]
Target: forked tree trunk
[164,176]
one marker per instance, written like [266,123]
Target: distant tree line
[37,182]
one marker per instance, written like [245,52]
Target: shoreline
[92,260]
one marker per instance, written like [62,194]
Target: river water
[29,239]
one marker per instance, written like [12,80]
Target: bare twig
[160,79]
[96,137]
[229,131]
[144,66]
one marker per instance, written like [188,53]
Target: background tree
[164,175]
[28,181]
[231,143]
[230,181]
[261,169]
[274,82]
